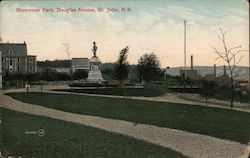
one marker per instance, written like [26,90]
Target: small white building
[80,64]
[61,70]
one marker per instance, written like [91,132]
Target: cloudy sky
[147,26]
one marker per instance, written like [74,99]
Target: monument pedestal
[95,74]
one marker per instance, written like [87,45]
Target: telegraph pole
[185,64]
[249,55]
[185,54]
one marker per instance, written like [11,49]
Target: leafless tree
[232,57]
[67,49]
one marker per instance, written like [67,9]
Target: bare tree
[67,49]
[232,58]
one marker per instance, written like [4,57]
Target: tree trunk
[206,99]
[206,87]
[232,92]
[121,83]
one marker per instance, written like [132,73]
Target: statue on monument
[95,74]
[94,49]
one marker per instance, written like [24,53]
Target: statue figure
[94,49]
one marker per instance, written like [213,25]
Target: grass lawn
[224,93]
[149,90]
[203,100]
[221,123]
[68,140]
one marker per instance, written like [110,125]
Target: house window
[2,59]
[31,60]
[10,51]
[18,68]
[18,60]
[30,68]
[10,62]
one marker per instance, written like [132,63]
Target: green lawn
[221,123]
[68,140]
[224,93]
[203,100]
[149,90]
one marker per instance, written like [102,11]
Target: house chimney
[215,70]
[225,70]
[191,62]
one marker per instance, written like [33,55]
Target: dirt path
[195,99]
[189,144]
[181,98]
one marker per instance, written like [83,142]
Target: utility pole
[185,54]
[249,57]
[185,45]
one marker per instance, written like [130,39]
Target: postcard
[124,79]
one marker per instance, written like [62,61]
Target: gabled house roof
[80,63]
[13,49]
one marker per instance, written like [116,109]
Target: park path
[189,144]
[181,98]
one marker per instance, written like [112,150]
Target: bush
[80,74]
[31,77]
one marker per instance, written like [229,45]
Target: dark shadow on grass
[69,140]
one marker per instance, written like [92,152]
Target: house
[241,84]
[80,64]
[15,58]
[212,76]
[58,66]
[190,74]
[224,80]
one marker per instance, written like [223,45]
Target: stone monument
[95,74]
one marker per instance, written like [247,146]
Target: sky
[146,26]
